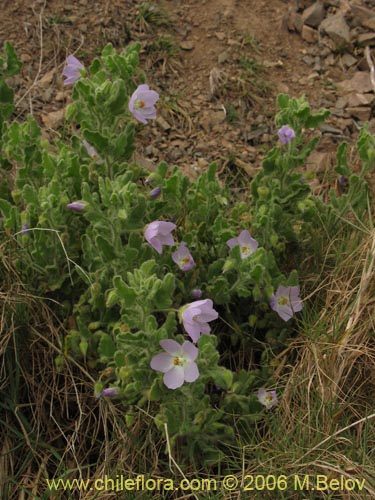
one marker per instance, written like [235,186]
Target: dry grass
[325,423]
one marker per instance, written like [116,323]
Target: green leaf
[5,207]
[106,348]
[117,97]
[13,64]
[313,121]
[30,195]
[123,291]
[223,378]
[283,101]
[105,248]
[156,391]
[119,358]
[96,139]
[148,267]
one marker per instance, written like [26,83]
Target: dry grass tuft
[325,423]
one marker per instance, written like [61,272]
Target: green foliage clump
[124,296]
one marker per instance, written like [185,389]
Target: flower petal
[162,362]
[191,372]
[171,346]
[189,351]
[174,378]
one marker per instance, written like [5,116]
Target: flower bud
[155,193]
[76,206]
[196,293]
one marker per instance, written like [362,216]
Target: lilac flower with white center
[267,398]
[158,233]
[196,293]
[247,244]
[92,152]
[76,206]
[177,363]
[183,258]
[195,317]
[286,134]
[286,301]
[155,193]
[141,104]
[72,70]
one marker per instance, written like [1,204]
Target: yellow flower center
[245,249]
[177,361]
[283,301]
[141,104]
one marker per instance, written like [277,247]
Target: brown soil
[217,64]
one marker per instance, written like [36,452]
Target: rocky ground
[217,64]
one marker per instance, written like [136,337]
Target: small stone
[151,150]
[232,42]
[309,34]
[360,99]
[273,64]
[163,123]
[308,60]
[25,58]
[348,60]
[294,22]
[314,15]
[328,129]
[223,57]
[202,163]
[46,79]
[250,169]
[341,103]
[337,29]
[329,60]
[369,23]
[60,96]
[187,45]
[283,88]
[176,154]
[365,16]
[366,39]
[318,161]
[220,35]
[54,119]
[313,76]
[360,83]
[361,113]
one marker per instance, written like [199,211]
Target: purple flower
[195,317]
[72,70]
[286,302]
[25,229]
[141,104]
[110,392]
[155,193]
[76,206]
[267,398]
[247,244]
[158,233]
[92,152]
[286,134]
[183,258]
[177,363]
[196,293]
